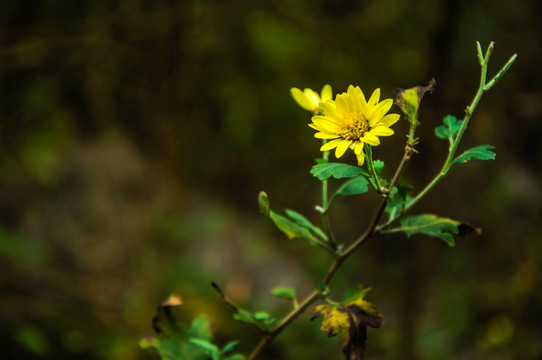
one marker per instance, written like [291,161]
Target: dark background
[135,136]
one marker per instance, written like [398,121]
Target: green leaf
[354,186]
[261,319]
[292,230]
[235,357]
[205,345]
[482,152]
[378,166]
[284,293]
[397,200]
[450,129]
[300,228]
[229,347]
[337,170]
[430,225]
[304,222]
[263,202]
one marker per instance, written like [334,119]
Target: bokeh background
[135,136]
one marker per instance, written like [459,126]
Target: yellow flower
[309,99]
[350,122]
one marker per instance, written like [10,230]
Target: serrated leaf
[450,128]
[481,152]
[337,170]
[430,225]
[355,186]
[304,222]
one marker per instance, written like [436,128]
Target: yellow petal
[342,103]
[302,100]
[389,120]
[324,135]
[361,159]
[358,147]
[370,139]
[325,123]
[379,111]
[329,108]
[331,144]
[381,131]
[312,96]
[326,93]
[374,97]
[359,100]
[341,148]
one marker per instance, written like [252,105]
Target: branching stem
[373,229]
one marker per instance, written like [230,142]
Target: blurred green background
[135,136]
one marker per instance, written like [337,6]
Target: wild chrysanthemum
[309,99]
[350,122]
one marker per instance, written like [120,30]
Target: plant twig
[371,231]
[482,88]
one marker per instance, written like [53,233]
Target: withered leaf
[350,320]
[409,100]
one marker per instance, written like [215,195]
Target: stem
[371,231]
[483,87]
[370,165]
[325,218]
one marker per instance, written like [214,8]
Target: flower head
[351,121]
[309,99]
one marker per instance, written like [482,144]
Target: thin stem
[325,205]
[370,165]
[483,87]
[371,231]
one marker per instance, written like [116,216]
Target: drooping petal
[324,135]
[341,148]
[326,93]
[302,100]
[389,120]
[370,139]
[381,131]
[358,147]
[331,144]
[361,158]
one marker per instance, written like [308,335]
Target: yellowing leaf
[409,100]
[350,320]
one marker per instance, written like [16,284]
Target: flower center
[352,126]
